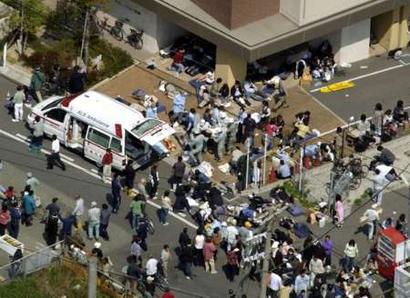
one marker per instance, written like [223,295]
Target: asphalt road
[81,180]
[386,87]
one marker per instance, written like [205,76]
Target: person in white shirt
[165,259]
[371,216]
[379,182]
[301,282]
[231,236]
[54,157]
[78,210]
[199,243]
[151,267]
[94,221]
[274,283]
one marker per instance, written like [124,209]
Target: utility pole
[21,50]
[248,141]
[264,159]
[92,277]
[268,250]
[85,39]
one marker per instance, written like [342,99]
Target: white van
[92,122]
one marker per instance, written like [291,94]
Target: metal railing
[30,263]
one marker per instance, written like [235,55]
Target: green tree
[28,17]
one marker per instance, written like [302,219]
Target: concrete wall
[303,12]
[350,44]
[391,28]
[158,33]
[293,9]
[354,42]
[236,13]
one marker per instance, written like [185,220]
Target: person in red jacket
[107,163]
[168,294]
[4,219]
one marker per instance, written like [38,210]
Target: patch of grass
[292,190]
[55,281]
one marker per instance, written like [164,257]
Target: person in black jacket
[77,80]
[186,259]
[184,238]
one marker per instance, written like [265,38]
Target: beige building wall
[303,12]
[229,67]
[391,28]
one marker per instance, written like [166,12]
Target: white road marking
[94,171]
[366,75]
[173,215]
[402,62]
[63,156]
[91,173]
[48,152]
[22,137]
[324,106]
[67,157]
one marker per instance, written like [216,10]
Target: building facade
[246,30]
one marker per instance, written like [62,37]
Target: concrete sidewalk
[315,179]
[15,74]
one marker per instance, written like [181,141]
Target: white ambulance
[92,122]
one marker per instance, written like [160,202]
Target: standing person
[67,228]
[104,221]
[136,249]
[273,283]
[33,182]
[166,207]
[186,259]
[78,211]
[165,259]
[209,256]
[136,211]
[249,126]
[51,229]
[53,208]
[351,252]
[15,216]
[327,244]
[129,173]
[94,214]
[178,173]
[107,164]
[232,266]
[340,211]
[199,243]
[378,118]
[372,217]
[301,283]
[29,207]
[315,267]
[37,135]
[116,192]
[54,157]
[379,182]
[18,100]
[151,267]
[154,182]
[76,81]
[401,224]
[4,219]
[184,238]
[36,84]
